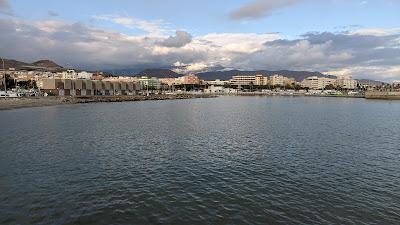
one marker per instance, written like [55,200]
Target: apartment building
[188,79]
[317,83]
[243,80]
[346,82]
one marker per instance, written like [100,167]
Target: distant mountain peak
[39,65]
[159,73]
[46,63]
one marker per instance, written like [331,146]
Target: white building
[243,80]
[317,83]
[249,80]
[276,80]
[69,74]
[217,82]
[347,82]
[84,75]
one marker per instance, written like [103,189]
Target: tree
[329,87]
[9,82]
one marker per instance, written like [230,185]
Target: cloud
[5,7]
[155,28]
[181,39]
[4,4]
[260,8]
[52,13]
[362,54]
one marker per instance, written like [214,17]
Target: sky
[339,37]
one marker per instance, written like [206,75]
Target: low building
[65,87]
[149,83]
[217,82]
[53,86]
[84,75]
[69,74]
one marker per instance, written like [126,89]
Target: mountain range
[226,75]
[48,65]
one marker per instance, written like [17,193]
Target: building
[217,82]
[151,83]
[276,80]
[261,80]
[80,87]
[168,81]
[317,83]
[69,74]
[346,82]
[189,79]
[289,81]
[84,75]
[243,80]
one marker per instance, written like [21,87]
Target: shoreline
[34,102]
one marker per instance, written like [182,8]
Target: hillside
[159,73]
[46,64]
[11,63]
[39,65]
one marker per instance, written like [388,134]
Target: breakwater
[15,103]
[384,95]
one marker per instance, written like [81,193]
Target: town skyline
[357,38]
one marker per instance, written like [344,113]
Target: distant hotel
[320,83]
[260,80]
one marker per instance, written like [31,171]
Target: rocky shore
[15,103]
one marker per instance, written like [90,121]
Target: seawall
[385,95]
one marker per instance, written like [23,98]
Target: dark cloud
[52,13]
[181,39]
[5,7]
[260,8]
[4,4]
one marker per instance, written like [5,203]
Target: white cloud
[389,73]
[154,28]
[376,31]
[260,8]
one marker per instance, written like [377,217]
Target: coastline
[33,102]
